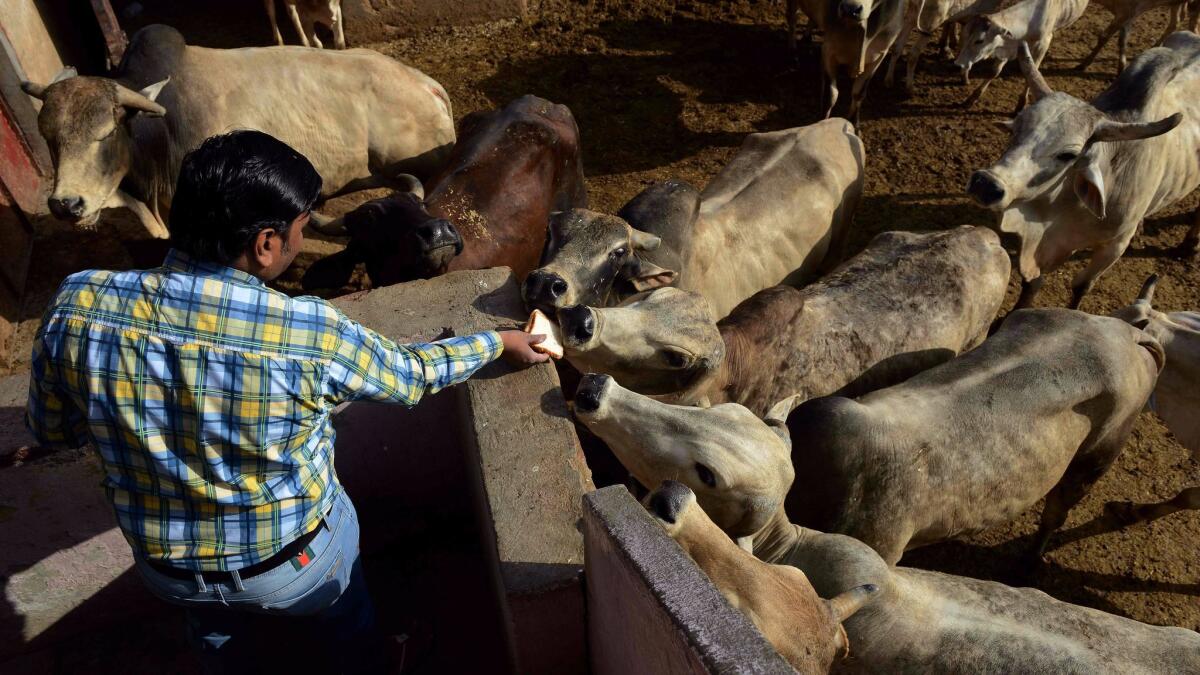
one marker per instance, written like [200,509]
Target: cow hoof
[968,104]
[1121,513]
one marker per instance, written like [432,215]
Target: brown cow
[510,169]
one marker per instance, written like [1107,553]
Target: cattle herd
[801,419]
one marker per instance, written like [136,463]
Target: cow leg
[270,7]
[1172,24]
[1029,291]
[792,7]
[1193,16]
[1129,513]
[1073,486]
[339,34]
[1122,45]
[152,223]
[829,75]
[918,47]
[295,15]
[1105,35]
[1102,259]
[898,50]
[949,43]
[979,90]
[312,36]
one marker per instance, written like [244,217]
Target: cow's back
[772,213]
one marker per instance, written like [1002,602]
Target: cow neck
[778,539]
[721,385]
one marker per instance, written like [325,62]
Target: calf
[940,291]
[775,214]
[1078,175]
[1125,12]
[510,169]
[858,36]
[739,469]
[1175,397]
[924,17]
[805,630]
[306,14]
[999,35]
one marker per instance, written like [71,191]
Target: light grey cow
[778,212]
[906,303]
[360,117]
[999,36]
[1084,176]
[739,468]
[305,15]
[1125,12]
[923,18]
[1175,399]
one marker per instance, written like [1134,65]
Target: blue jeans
[321,611]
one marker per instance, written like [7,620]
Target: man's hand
[518,348]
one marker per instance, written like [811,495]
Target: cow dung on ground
[658,99]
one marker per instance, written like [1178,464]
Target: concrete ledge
[651,609]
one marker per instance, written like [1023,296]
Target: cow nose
[435,234]
[668,501]
[985,188]
[66,208]
[590,391]
[577,322]
[543,288]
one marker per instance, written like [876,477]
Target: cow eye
[1066,156]
[706,476]
[675,359]
[618,253]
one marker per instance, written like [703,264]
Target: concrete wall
[22,23]
[651,609]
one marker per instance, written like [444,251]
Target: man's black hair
[234,186]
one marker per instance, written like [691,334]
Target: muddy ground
[661,92]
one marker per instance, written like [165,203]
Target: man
[208,397]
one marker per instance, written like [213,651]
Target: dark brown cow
[510,169]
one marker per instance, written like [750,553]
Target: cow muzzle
[578,325]
[986,189]
[590,393]
[669,501]
[439,234]
[67,208]
[544,290]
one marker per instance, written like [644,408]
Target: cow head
[739,466]
[1141,312]
[983,38]
[1055,146]
[586,252]
[396,237]
[660,342]
[86,124]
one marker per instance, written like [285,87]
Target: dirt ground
[664,93]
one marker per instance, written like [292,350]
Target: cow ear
[35,90]
[1004,125]
[332,271]
[1089,187]
[650,276]
[151,92]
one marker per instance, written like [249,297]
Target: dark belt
[286,553]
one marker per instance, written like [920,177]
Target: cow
[739,468]
[1125,12]
[489,206]
[1174,397]
[924,17]
[805,629]
[1001,34]
[1084,176]
[1041,408]
[360,117]
[643,247]
[306,14]
[906,303]
[858,36]
[778,212]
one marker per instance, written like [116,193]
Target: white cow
[1084,176]
[999,35]
[360,117]
[924,17]
[1125,12]
[306,14]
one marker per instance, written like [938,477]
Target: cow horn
[1147,293]
[846,604]
[406,182]
[35,90]
[64,74]
[1037,84]
[330,227]
[643,241]
[1111,130]
[133,100]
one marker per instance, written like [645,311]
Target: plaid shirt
[208,396]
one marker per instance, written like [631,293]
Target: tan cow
[858,36]
[1084,176]
[906,303]
[924,17]
[805,630]
[919,622]
[305,15]
[360,117]
[777,213]
[1175,398]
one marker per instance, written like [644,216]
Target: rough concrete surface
[651,609]
[522,451]
[375,20]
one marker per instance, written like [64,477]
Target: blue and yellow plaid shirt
[208,397]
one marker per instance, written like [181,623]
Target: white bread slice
[540,324]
